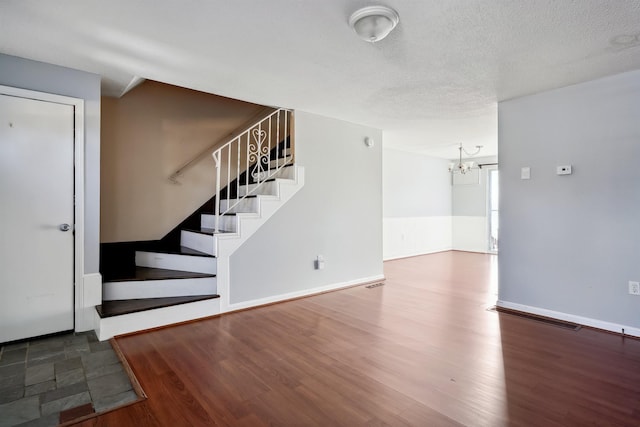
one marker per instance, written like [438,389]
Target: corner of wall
[87,297]
[417,198]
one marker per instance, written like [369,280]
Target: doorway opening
[493,214]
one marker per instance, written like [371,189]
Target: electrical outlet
[563,170]
[634,288]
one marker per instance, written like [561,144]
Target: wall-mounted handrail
[265,112]
[258,153]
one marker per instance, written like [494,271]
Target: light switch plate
[525,173]
[563,170]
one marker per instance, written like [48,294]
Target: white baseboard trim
[144,320]
[88,295]
[92,292]
[304,293]
[475,252]
[412,254]
[580,320]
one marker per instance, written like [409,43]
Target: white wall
[336,214]
[570,244]
[416,204]
[469,207]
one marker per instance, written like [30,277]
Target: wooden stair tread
[209,231]
[183,250]
[117,308]
[250,196]
[188,251]
[148,273]
[268,180]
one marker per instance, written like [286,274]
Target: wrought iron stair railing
[254,156]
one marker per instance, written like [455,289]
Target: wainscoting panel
[404,237]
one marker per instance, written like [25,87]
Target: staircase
[185,275]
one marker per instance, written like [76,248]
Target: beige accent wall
[145,136]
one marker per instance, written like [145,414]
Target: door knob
[64,227]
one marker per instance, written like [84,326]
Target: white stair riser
[286,173]
[198,241]
[197,264]
[227,223]
[109,327]
[245,205]
[267,188]
[158,288]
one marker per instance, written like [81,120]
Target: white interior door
[36,199]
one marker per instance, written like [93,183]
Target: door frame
[78,183]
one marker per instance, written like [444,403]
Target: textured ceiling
[434,82]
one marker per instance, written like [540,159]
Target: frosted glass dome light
[373,23]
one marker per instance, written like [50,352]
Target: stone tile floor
[44,378]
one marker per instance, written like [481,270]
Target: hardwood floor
[422,350]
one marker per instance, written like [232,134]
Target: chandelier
[464,167]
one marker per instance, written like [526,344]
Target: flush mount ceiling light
[373,23]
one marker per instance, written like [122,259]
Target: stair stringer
[225,245]
[247,226]
[110,327]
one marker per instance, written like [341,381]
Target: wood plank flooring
[422,350]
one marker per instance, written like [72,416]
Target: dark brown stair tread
[265,180]
[222,214]
[147,273]
[209,231]
[188,251]
[250,196]
[116,308]
[183,250]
